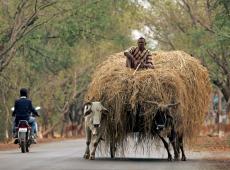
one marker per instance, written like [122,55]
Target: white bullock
[95,118]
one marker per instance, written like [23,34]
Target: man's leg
[33,125]
[15,134]
[32,122]
[129,63]
[14,129]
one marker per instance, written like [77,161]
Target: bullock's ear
[86,109]
[105,111]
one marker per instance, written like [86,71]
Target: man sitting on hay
[139,57]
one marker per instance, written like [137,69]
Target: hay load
[177,77]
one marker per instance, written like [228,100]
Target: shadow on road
[134,159]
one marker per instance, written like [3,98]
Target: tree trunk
[46,125]
[7,116]
[63,128]
[226,93]
[228,110]
[45,133]
[219,111]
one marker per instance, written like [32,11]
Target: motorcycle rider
[22,111]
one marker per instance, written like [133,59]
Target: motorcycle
[24,135]
[25,138]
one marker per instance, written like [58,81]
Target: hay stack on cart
[177,77]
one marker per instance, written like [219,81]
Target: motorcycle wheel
[23,146]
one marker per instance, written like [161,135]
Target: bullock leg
[88,140]
[180,140]
[166,147]
[173,140]
[112,147]
[95,143]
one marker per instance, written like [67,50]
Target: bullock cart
[133,100]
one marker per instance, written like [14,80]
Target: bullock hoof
[176,157]
[86,156]
[92,157]
[170,158]
[183,158]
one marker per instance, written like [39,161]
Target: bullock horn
[83,108]
[88,103]
[174,104]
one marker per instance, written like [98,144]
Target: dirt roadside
[212,143]
[11,145]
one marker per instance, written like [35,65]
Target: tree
[201,28]
[17,25]
[56,58]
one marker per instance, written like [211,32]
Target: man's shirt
[140,56]
[23,108]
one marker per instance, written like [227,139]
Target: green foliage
[71,44]
[47,58]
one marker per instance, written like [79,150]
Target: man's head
[23,92]
[141,43]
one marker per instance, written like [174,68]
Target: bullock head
[96,111]
[162,116]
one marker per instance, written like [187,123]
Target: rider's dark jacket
[22,109]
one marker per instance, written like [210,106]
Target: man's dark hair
[141,38]
[23,92]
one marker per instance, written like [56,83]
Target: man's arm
[128,53]
[15,107]
[149,62]
[33,110]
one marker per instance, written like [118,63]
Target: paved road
[67,155]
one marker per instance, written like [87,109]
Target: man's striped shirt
[140,56]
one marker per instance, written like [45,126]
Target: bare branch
[5,10]
[205,26]
[208,10]
[39,24]
[20,30]
[19,8]
[195,20]
[46,5]
[180,27]
[218,61]
[187,7]
[35,6]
